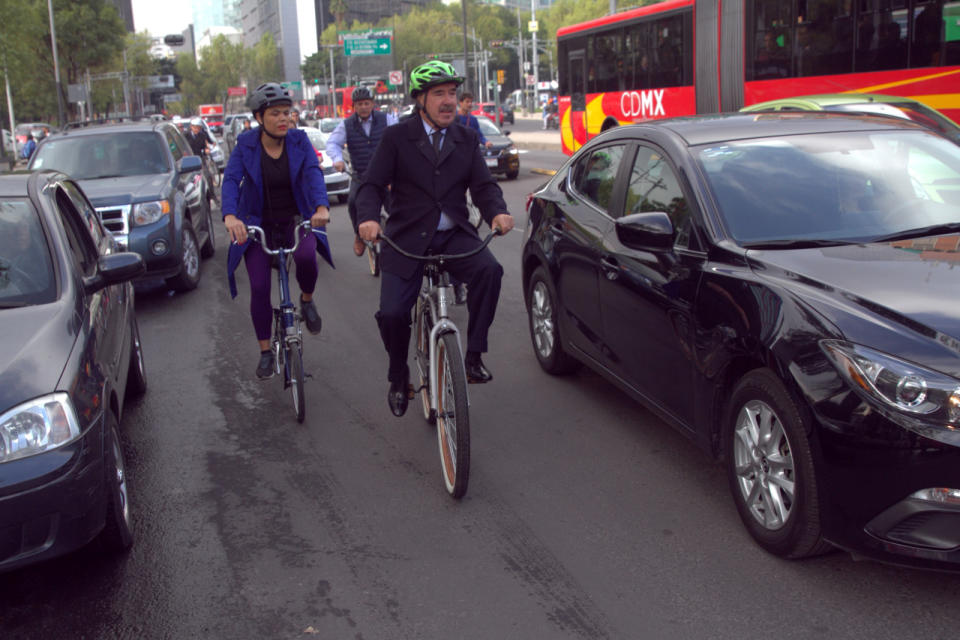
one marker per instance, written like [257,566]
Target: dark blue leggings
[258,270]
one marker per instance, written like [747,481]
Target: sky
[162,17]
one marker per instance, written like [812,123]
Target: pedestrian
[272,180]
[361,132]
[28,147]
[428,162]
[467,119]
[294,118]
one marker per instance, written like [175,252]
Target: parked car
[69,357]
[502,157]
[490,111]
[337,182]
[38,129]
[896,106]
[234,128]
[148,189]
[780,287]
[327,125]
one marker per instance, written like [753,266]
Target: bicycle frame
[436,296]
[291,331]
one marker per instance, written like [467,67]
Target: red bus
[683,57]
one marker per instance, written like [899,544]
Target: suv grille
[115,219]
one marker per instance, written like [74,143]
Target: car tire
[137,374]
[209,247]
[189,276]
[117,534]
[770,467]
[512,175]
[542,314]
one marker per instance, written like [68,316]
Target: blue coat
[243,189]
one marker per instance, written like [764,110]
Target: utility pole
[536,71]
[56,65]
[523,72]
[466,65]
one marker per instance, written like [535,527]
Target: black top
[198,142]
[279,206]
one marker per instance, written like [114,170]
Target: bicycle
[287,340]
[442,377]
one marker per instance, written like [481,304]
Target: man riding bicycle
[429,161]
[201,142]
[361,133]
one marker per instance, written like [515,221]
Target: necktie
[437,140]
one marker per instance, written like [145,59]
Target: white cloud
[162,17]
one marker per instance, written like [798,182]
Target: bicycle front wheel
[453,416]
[294,361]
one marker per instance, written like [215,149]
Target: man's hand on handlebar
[369,231]
[235,228]
[502,223]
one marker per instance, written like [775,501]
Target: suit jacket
[421,185]
[243,188]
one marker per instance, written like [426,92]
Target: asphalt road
[586,516]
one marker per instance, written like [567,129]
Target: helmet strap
[425,115]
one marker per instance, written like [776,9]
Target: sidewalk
[540,140]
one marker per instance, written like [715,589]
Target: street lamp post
[536,71]
[56,64]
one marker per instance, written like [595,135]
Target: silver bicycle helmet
[361,93]
[268,95]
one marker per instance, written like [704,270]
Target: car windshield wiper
[102,177]
[932,230]
[798,243]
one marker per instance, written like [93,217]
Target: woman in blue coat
[272,179]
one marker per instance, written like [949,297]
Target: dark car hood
[116,191]
[910,283]
[35,348]
[499,142]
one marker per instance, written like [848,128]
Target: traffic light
[496,43]
[501,76]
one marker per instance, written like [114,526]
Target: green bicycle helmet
[431,73]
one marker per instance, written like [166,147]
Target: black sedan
[502,157]
[781,287]
[70,354]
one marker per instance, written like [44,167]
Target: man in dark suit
[429,162]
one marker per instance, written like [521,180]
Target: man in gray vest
[361,132]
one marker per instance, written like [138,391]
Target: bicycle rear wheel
[453,416]
[423,360]
[294,361]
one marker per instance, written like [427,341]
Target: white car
[338,182]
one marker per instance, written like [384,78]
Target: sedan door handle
[610,268]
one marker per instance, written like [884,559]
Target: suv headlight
[914,397]
[149,212]
[37,426]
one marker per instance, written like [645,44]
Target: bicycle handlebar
[258,234]
[441,257]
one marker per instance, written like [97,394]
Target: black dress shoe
[476,372]
[398,396]
[310,316]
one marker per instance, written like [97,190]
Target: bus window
[927,28]
[605,64]
[668,52]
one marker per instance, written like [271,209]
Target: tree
[339,10]
[263,62]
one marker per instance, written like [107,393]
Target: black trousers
[482,274]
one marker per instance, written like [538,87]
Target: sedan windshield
[26,271]
[488,128]
[110,155]
[847,187]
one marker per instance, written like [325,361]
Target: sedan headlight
[512,150]
[37,426]
[924,401]
[149,212]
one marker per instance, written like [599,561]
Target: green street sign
[366,46]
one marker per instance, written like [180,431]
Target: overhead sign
[369,47]
[236,91]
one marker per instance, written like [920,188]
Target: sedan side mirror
[648,230]
[114,268]
[186,164]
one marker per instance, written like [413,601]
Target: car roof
[831,99]
[726,127]
[16,184]
[94,128]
